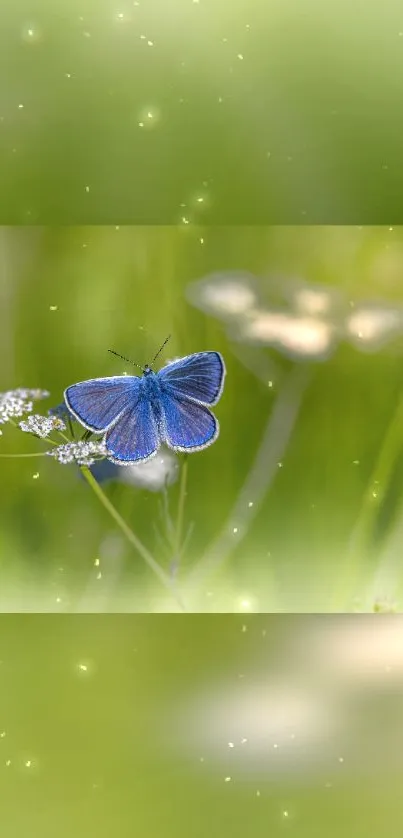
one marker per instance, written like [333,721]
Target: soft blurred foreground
[203,725]
[297,505]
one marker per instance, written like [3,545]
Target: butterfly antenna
[160,349]
[125,359]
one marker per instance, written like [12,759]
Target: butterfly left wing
[97,403]
[135,437]
[187,425]
[199,377]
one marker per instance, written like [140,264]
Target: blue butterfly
[136,414]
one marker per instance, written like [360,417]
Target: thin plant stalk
[37,454]
[373,496]
[131,537]
[181,509]
[273,446]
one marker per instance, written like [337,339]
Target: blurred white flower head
[305,298]
[224,295]
[274,725]
[302,320]
[161,470]
[295,336]
[371,325]
[358,649]
[315,302]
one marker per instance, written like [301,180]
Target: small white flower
[82,453]
[42,425]
[15,403]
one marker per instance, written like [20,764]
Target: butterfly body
[136,414]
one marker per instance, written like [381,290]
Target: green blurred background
[202,113]
[117,724]
[120,111]
[296,507]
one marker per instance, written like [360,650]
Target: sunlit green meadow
[297,505]
[256,724]
[128,111]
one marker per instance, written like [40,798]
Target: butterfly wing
[199,377]
[99,402]
[187,425]
[135,436]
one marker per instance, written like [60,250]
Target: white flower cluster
[82,453]
[42,425]
[15,403]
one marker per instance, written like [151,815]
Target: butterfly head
[147,370]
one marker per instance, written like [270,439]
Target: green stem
[372,500]
[39,454]
[181,508]
[131,537]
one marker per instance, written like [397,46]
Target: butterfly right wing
[186,425]
[199,377]
[99,402]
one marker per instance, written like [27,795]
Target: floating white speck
[31,33]
[35,476]
[228,779]
[240,56]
